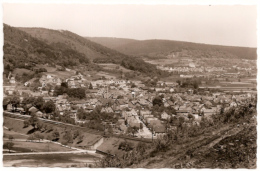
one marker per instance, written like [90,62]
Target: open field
[49,160]
[107,75]
[14,134]
[21,71]
[62,74]
[163,61]
[17,126]
[111,66]
[23,147]
[48,68]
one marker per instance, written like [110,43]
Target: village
[134,109]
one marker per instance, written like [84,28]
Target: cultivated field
[50,160]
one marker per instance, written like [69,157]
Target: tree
[75,134]
[110,130]
[141,125]
[132,130]
[15,101]
[49,107]
[76,93]
[157,101]
[68,136]
[141,147]
[90,86]
[56,134]
[191,117]
[49,128]
[26,123]
[38,136]
[181,121]
[33,120]
[8,145]
[11,137]
[80,139]
[40,126]
[64,84]
[126,146]
[50,137]
[39,102]
[6,101]
[31,137]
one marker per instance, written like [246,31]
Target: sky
[233,25]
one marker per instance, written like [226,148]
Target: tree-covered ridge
[162,48]
[92,50]
[23,51]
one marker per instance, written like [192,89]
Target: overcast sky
[222,25]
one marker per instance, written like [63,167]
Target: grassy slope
[17,126]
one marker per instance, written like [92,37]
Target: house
[89,108]
[122,103]
[170,103]
[27,84]
[107,110]
[208,104]
[12,80]
[149,119]
[233,104]
[116,109]
[33,109]
[79,103]
[39,114]
[46,99]
[165,116]
[73,114]
[144,112]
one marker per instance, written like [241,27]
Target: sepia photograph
[120,85]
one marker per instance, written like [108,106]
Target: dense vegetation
[92,50]
[23,51]
[161,48]
[79,93]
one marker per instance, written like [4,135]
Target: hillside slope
[24,51]
[161,48]
[94,51]
[113,43]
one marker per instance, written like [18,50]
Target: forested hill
[40,45]
[166,47]
[22,51]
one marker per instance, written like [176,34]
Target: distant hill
[112,43]
[162,48]
[40,45]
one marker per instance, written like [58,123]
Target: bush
[26,123]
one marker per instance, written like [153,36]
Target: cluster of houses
[134,104]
